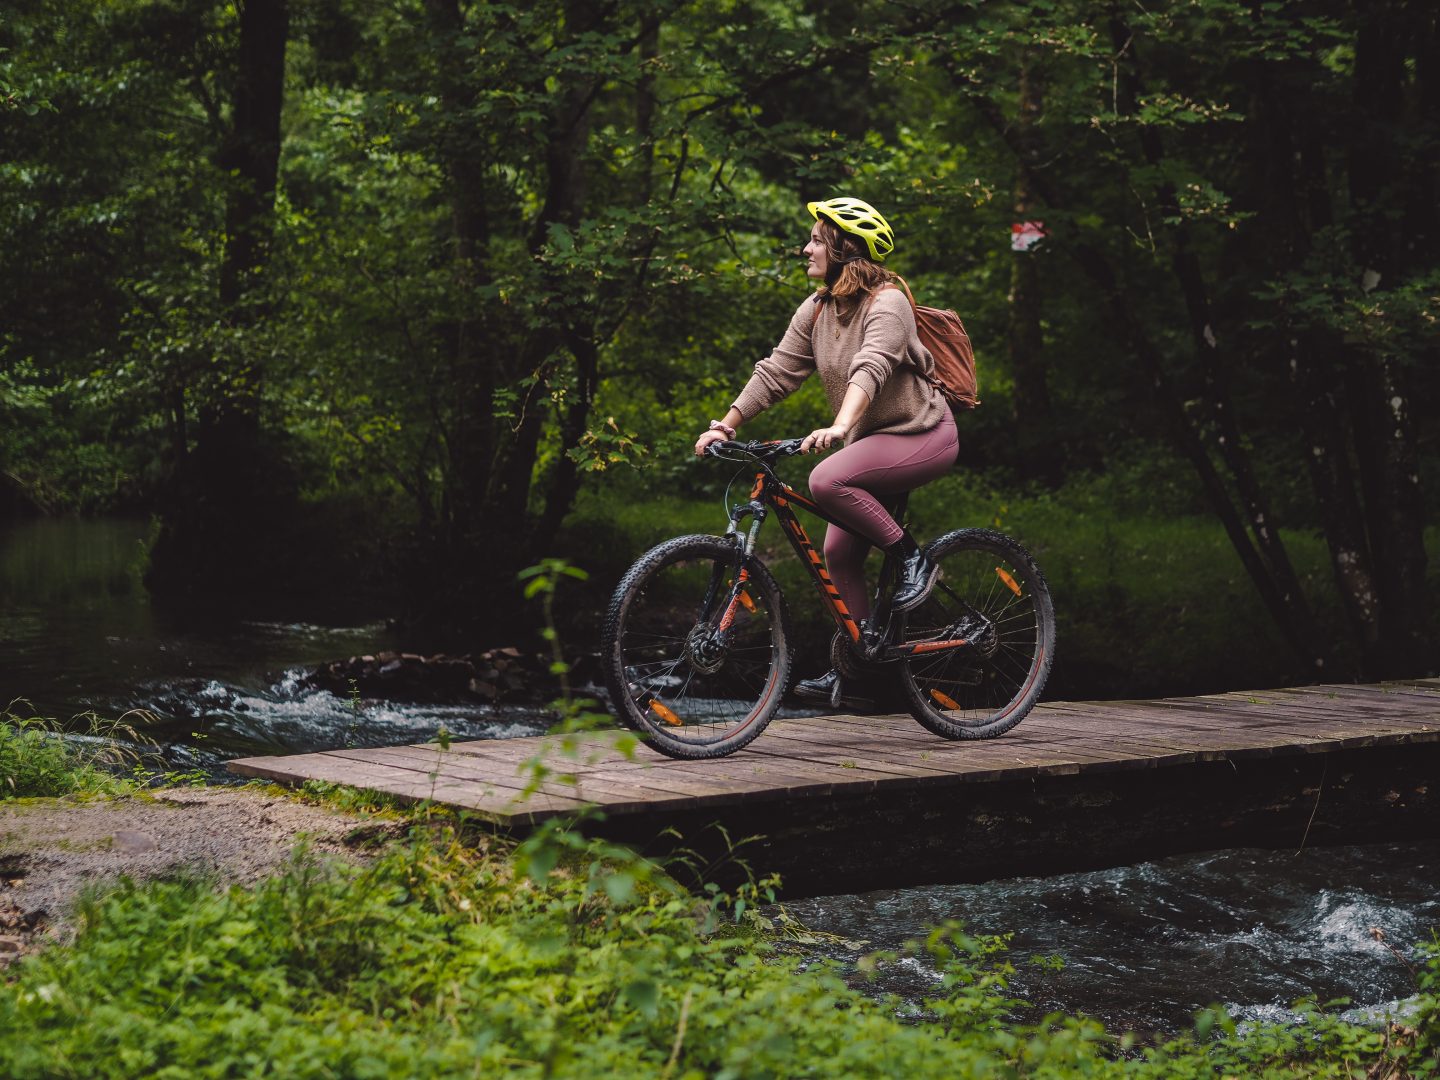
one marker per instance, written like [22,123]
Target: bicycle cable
[725,502]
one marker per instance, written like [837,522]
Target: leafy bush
[444,959]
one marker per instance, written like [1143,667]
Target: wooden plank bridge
[841,803]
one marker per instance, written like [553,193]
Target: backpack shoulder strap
[904,287]
[931,379]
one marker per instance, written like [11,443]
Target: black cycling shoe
[917,574]
[832,691]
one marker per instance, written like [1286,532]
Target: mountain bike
[697,645]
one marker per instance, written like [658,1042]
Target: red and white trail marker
[1024,235]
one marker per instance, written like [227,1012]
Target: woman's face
[818,255]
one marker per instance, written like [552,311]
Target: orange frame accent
[780,495]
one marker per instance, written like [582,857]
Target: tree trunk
[472,434]
[225,485]
[565,191]
[1278,601]
[1034,417]
[1381,398]
[1229,444]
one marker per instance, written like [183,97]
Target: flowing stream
[1142,946]
[78,634]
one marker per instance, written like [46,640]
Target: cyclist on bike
[897,429]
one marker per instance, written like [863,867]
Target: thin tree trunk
[223,484]
[1034,417]
[472,437]
[1278,602]
[1229,444]
[1381,401]
[565,193]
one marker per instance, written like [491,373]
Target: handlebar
[767,450]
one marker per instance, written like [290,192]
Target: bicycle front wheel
[990,593]
[696,648]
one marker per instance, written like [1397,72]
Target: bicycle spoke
[989,593]
[716,688]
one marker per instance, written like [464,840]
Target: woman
[897,430]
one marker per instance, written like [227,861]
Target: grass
[1146,603]
[561,957]
[39,759]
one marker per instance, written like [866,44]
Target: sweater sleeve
[781,373]
[883,345]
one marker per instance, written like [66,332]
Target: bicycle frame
[771,493]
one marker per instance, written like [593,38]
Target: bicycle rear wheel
[696,648]
[990,593]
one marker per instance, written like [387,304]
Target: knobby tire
[686,702]
[984,690]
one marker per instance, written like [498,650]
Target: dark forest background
[371,304]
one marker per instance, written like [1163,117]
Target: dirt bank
[52,849]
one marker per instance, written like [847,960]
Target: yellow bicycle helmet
[860,219]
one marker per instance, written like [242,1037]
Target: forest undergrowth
[453,952]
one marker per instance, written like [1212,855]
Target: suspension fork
[736,597]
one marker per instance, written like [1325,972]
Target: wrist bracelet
[720,425]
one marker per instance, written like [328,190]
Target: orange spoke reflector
[945,701]
[1009,581]
[746,602]
[665,714]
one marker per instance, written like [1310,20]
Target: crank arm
[921,648]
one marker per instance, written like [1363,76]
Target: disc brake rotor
[705,653]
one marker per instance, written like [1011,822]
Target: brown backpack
[941,331]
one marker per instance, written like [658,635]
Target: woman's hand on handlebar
[706,440]
[821,439]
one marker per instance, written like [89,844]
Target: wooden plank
[1249,740]
[1420,684]
[903,740]
[1156,717]
[1377,695]
[1235,726]
[398,782]
[1305,705]
[873,755]
[592,786]
[396,779]
[1368,703]
[1357,710]
[754,776]
[810,757]
[1302,718]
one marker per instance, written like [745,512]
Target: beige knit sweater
[877,352]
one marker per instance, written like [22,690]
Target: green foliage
[441,959]
[513,248]
[39,759]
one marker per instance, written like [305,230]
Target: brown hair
[851,276]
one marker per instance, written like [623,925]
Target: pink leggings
[846,484]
